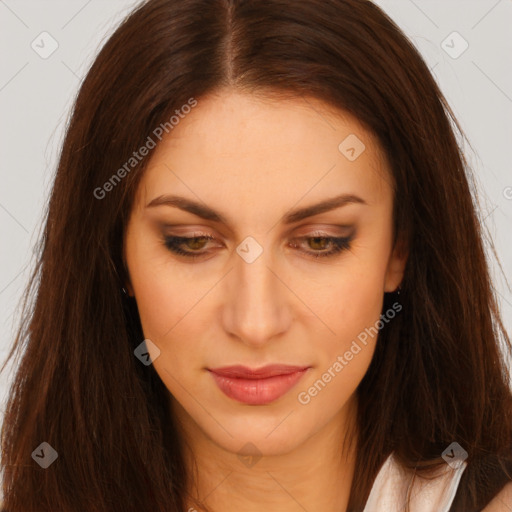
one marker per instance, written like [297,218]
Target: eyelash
[339,244]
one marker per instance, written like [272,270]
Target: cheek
[159,308]
[356,323]
[351,308]
[350,302]
[171,312]
[331,387]
[163,294]
[348,296]
[343,360]
[155,302]
[169,318]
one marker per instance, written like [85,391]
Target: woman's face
[267,284]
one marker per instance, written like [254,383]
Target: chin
[264,436]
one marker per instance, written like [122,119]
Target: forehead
[256,150]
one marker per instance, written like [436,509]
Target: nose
[256,309]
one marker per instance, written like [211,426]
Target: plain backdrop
[466,43]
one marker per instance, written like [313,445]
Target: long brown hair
[437,375]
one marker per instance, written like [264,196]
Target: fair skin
[502,502]
[254,161]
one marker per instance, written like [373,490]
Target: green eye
[320,243]
[191,247]
[195,244]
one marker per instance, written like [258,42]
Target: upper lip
[244,372]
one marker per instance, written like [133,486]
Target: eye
[195,244]
[334,245]
[319,246]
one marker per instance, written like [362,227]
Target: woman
[262,284]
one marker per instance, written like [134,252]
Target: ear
[396,267]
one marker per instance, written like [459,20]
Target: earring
[398,290]
[124,291]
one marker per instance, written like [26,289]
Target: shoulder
[502,502]
[432,490]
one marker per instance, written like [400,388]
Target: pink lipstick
[258,386]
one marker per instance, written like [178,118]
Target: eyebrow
[207,213]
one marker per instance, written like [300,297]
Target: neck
[315,475]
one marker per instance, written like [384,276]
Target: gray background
[36,95]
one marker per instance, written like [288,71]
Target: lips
[257,386]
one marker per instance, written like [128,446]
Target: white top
[390,489]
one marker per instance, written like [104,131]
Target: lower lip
[257,391]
